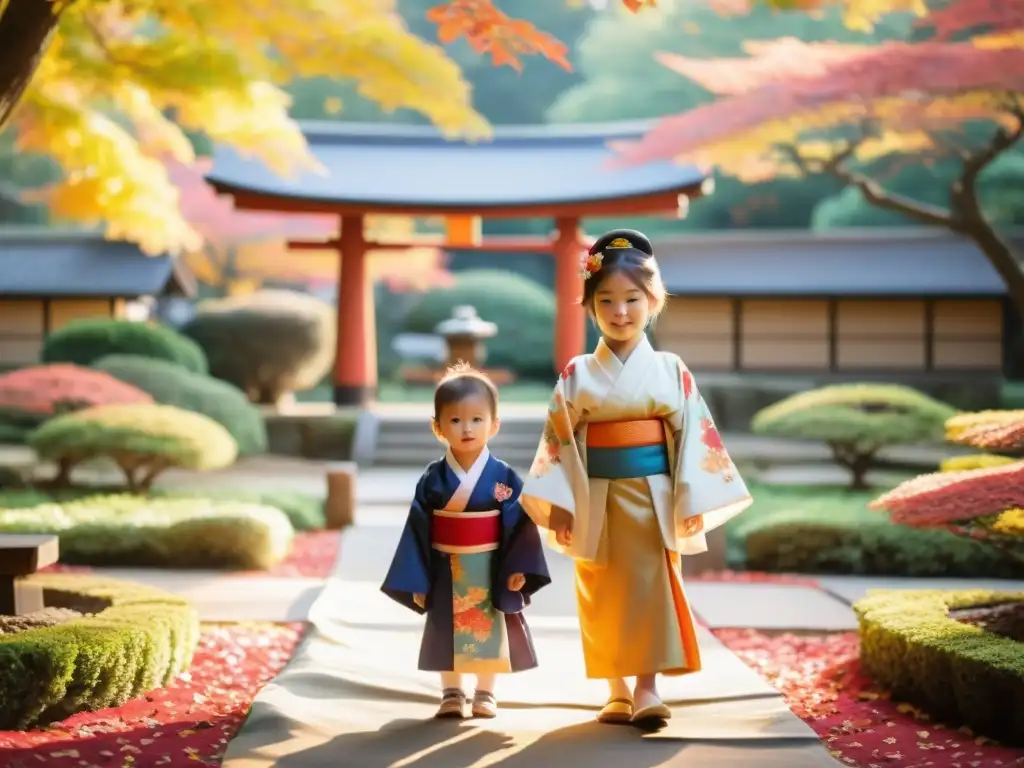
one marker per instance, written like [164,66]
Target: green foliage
[523,310]
[813,529]
[956,671]
[856,420]
[84,341]
[142,439]
[303,510]
[140,641]
[868,415]
[184,532]
[172,385]
[266,343]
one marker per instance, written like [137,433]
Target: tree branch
[964,194]
[25,29]
[872,191]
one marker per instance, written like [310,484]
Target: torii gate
[557,172]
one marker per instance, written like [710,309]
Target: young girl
[469,557]
[630,474]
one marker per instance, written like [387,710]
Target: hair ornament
[619,242]
[591,263]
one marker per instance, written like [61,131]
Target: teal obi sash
[623,463]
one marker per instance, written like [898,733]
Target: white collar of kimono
[474,472]
[610,362]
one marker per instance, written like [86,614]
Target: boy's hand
[516,582]
[420,600]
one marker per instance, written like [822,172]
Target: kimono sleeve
[410,571]
[558,477]
[708,490]
[522,552]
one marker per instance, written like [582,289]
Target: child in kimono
[469,557]
[630,474]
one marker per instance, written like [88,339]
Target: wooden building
[872,303]
[50,277]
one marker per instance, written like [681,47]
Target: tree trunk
[857,462]
[25,29]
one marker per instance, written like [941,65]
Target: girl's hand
[420,600]
[516,582]
[561,523]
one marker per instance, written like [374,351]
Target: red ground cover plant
[189,723]
[821,680]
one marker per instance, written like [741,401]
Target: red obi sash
[465,533]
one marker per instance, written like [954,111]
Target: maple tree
[792,108]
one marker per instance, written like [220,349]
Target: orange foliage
[489,30]
[45,390]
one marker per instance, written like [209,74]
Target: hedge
[140,641]
[143,440]
[170,384]
[84,341]
[856,420]
[267,343]
[304,510]
[957,672]
[813,529]
[190,532]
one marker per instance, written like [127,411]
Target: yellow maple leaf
[121,85]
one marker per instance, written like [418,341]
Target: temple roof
[394,167]
[40,262]
[856,262]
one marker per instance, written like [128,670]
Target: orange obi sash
[465,533]
[618,450]
[625,434]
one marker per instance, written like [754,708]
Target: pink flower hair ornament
[590,263]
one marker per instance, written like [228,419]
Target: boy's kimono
[465,535]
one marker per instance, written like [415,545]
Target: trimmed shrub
[266,343]
[170,384]
[856,421]
[950,497]
[143,440]
[813,529]
[190,532]
[304,511]
[523,310]
[84,341]
[32,395]
[989,430]
[138,639]
[957,671]
[974,461]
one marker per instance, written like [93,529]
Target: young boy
[469,557]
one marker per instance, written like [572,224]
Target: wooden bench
[21,555]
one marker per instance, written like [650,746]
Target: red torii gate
[557,172]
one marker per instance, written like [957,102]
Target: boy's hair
[461,381]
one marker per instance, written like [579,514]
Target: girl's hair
[461,381]
[630,253]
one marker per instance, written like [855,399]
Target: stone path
[352,696]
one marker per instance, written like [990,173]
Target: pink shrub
[45,390]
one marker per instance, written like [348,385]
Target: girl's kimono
[465,535]
[631,451]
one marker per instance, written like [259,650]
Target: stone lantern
[464,333]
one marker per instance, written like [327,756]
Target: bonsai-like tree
[856,421]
